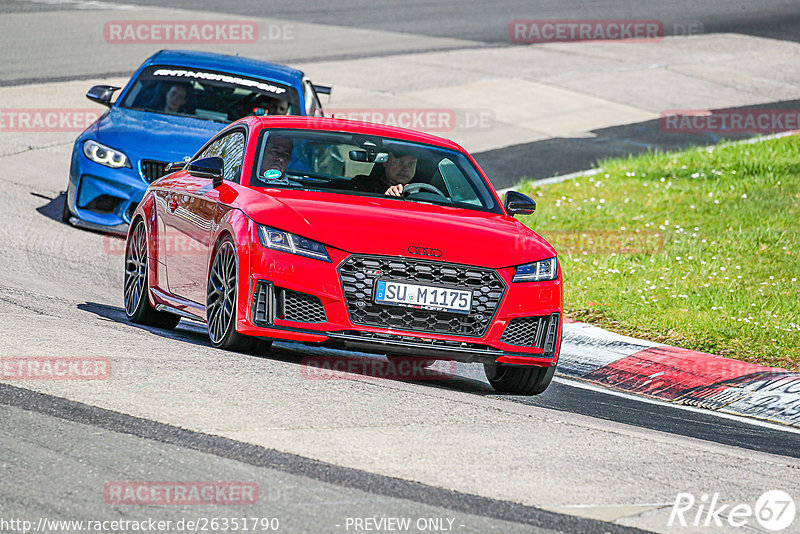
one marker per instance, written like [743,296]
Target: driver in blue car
[390,177]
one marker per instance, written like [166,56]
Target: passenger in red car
[390,177]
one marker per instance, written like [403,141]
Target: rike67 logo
[774,511]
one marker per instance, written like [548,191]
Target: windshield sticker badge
[272,174]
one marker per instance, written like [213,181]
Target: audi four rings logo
[422,251]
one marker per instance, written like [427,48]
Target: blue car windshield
[366,165]
[209,95]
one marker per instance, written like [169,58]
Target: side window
[458,185]
[313,106]
[231,149]
[213,149]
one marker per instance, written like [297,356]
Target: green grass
[698,249]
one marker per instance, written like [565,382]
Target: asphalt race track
[329,454]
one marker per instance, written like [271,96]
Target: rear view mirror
[102,94]
[369,157]
[519,204]
[211,168]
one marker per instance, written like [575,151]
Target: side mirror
[322,89]
[211,168]
[519,204]
[175,166]
[102,94]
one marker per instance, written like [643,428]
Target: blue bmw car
[173,104]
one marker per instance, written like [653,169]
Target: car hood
[371,225]
[152,135]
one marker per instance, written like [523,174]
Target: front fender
[233,222]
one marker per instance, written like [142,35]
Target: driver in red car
[277,154]
[390,177]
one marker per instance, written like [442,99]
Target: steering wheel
[412,189]
[242,108]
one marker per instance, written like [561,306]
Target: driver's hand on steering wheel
[395,191]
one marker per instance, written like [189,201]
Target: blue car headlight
[291,243]
[105,155]
[537,271]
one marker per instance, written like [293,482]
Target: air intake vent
[540,332]
[271,302]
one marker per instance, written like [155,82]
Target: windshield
[208,95]
[358,164]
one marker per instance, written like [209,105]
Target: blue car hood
[143,134]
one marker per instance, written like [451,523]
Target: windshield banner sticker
[224,78]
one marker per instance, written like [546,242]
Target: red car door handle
[173,205]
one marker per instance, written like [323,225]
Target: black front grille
[285,304]
[359,273]
[153,170]
[537,332]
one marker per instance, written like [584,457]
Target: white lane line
[85,4]
[551,180]
[705,411]
[643,505]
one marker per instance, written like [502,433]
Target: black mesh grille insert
[525,331]
[153,170]
[540,332]
[359,274]
[287,305]
[301,307]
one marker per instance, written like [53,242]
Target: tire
[65,211]
[519,380]
[136,286]
[222,302]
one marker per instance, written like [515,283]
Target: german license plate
[426,297]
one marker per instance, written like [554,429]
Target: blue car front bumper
[101,197]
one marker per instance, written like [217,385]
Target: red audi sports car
[349,235]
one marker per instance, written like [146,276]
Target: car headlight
[104,155]
[537,271]
[291,243]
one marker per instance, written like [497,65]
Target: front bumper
[301,299]
[102,198]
